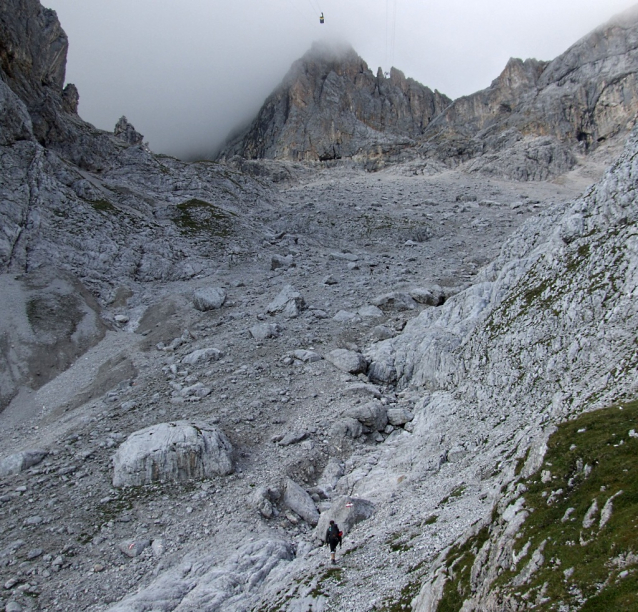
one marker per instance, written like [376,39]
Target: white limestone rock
[209,298]
[203,356]
[347,361]
[18,462]
[214,583]
[399,416]
[346,427]
[174,451]
[434,296]
[288,302]
[372,415]
[395,300]
[263,331]
[298,500]
[281,261]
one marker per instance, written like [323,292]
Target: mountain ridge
[533,122]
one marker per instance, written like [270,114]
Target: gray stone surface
[298,500]
[175,451]
[18,462]
[347,361]
[209,298]
[523,341]
[288,302]
[202,356]
[372,415]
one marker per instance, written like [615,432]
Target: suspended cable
[394,31]
[315,6]
[295,4]
[387,13]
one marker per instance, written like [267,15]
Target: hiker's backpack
[334,533]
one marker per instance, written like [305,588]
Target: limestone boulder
[288,302]
[399,416]
[203,356]
[346,512]
[175,451]
[298,500]
[347,361]
[395,300]
[346,427]
[372,415]
[209,298]
[18,462]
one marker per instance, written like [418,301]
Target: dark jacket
[332,534]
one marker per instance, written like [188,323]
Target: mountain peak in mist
[331,105]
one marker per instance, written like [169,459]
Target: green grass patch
[585,513]
[459,563]
[103,206]
[456,492]
[196,216]
[331,575]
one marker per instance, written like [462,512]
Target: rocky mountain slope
[331,106]
[547,111]
[204,363]
[532,123]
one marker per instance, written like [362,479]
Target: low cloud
[186,74]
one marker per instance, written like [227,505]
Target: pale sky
[186,73]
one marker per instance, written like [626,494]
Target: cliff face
[543,111]
[530,124]
[330,105]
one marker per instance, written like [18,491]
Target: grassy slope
[588,567]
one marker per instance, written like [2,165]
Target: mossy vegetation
[332,575]
[404,601]
[459,567]
[196,216]
[103,206]
[583,521]
[456,492]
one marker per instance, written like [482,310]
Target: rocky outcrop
[33,50]
[331,106]
[530,124]
[48,320]
[546,332]
[533,118]
[215,584]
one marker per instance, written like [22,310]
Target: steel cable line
[390,30]
[315,6]
[295,5]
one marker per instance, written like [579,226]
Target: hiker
[333,537]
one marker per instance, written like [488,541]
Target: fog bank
[186,74]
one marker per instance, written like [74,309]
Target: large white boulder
[14,464]
[174,451]
[209,298]
[298,500]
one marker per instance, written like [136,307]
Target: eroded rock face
[331,106]
[49,319]
[535,115]
[175,451]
